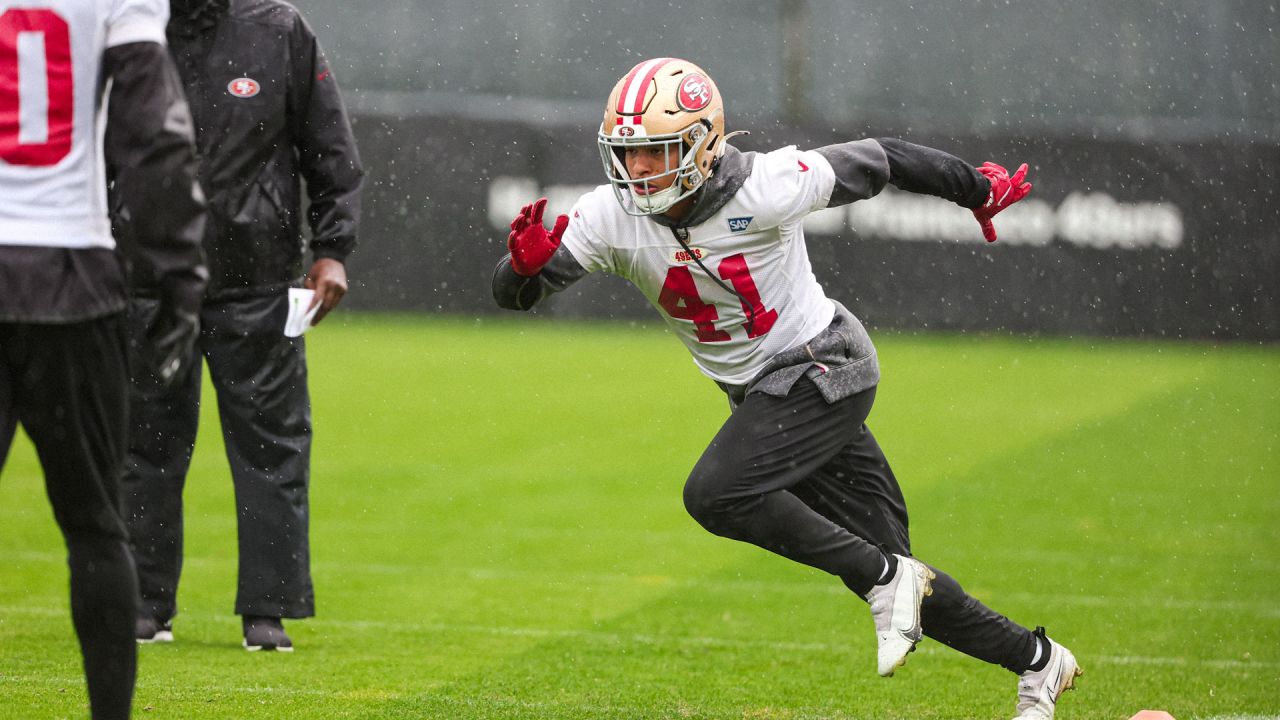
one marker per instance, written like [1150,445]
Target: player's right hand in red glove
[530,244]
[1005,191]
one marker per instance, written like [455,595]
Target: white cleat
[1038,691]
[895,608]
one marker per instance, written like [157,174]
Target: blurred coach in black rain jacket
[268,115]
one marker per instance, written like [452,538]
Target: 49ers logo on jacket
[695,93]
[243,87]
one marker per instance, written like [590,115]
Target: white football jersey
[754,244]
[52,179]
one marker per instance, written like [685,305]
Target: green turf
[498,533]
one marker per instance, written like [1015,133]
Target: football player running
[713,238]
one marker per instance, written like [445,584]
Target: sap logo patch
[739,224]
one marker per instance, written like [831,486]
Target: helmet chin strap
[685,184]
[655,202]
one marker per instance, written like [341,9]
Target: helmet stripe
[631,99]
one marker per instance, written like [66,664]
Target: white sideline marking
[1261,609]
[676,641]
[470,701]
[456,701]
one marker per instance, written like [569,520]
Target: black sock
[1045,651]
[891,563]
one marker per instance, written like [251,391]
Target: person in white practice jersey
[713,238]
[63,358]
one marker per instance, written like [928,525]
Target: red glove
[530,244]
[1005,191]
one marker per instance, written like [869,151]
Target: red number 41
[681,300]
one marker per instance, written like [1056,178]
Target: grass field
[498,533]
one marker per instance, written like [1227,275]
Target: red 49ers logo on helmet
[695,93]
[243,87]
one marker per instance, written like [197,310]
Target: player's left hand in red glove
[1005,191]
[530,244]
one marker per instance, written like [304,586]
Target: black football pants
[260,378]
[806,480]
[67,385]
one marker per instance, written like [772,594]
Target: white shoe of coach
[895,608]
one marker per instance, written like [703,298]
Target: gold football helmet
[670,103]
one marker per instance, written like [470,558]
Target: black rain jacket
[268,115]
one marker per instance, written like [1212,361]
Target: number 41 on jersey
[681,300]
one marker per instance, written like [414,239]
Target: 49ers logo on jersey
[244,87]
[682,256]
[695,93]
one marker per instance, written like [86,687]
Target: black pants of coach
[806,480]
[260,378]
[67,385]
